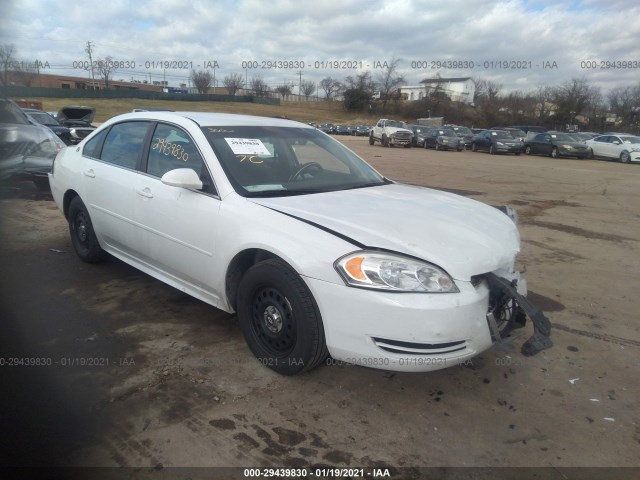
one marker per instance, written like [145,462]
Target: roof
[205,119]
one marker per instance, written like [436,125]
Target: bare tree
[308,88]
[7,52]
[283,90]
[624,102]
[389,80]
[233,83]
[201,80]
[26,72]
[330,86]
[362,81]
[259,87]
[106,67]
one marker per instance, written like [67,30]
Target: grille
[413,348]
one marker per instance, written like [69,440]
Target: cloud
[532,32]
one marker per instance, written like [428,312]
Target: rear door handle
[145,192]
[90,173]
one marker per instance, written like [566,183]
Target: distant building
[459,89]
[18,79]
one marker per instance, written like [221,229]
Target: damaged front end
[509,308]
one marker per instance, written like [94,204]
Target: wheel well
[242,262]
[68,196]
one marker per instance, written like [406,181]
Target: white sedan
[621,146]
[317,252]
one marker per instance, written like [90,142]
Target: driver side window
[171,148]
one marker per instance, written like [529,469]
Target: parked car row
[355,130]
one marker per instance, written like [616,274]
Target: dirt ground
[172,382]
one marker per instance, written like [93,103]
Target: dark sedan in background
[497,141]
[556,144]
[464,133]
[443,139]
[43,118]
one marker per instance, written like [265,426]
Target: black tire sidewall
[309,348]
[89,251]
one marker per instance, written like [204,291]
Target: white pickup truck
[391,133]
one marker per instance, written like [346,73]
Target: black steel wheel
[83,237]
[280,319]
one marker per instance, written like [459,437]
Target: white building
[459,89]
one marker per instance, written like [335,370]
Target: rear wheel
[280,319]
[83,237]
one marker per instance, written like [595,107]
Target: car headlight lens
[500,143]
[566,147]
[392,272]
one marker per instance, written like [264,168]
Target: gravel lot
[169,380]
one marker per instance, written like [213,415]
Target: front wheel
[280,319]
[371,140]
[555,153]
[527,149]
[625,157]
[492,150]
[83,237]
[474,148]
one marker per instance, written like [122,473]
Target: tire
[474,148]
[83,237]
[590,154]
[527,149]
[41,183]
[280,319]
[517,154]
[492,149]
[425,145]
[625,157]
[371,140]
[437,146]
[554,153]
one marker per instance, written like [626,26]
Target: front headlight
[392,272]
[566,147]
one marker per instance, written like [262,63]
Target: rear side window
[124,144]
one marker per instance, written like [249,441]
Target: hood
[463,236]
[75,112]
[392,130]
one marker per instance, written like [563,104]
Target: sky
[520,44]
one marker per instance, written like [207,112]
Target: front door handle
[145,192]
[90,173]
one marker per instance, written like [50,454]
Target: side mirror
[182,177]
[616,142]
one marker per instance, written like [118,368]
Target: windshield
[563,137]
[500,134]
[462,131]
[43,118]
[447,133]
[396,124]
[281,161]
